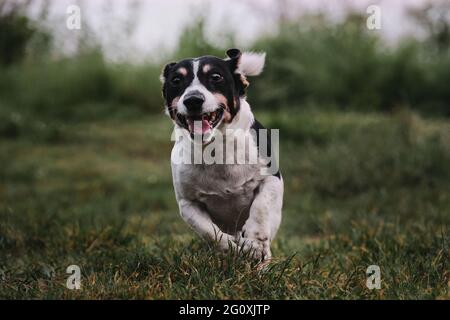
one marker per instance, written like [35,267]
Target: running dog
[235,203]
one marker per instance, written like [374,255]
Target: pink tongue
[199,126]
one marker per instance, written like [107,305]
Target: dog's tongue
[199,126]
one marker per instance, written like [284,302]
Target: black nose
[194,102]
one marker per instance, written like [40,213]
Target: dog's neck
[243,119]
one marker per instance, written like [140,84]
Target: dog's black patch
[175,82]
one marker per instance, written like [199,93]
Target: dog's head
[203,94]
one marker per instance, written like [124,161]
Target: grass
[361,189]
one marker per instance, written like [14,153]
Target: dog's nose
[194,102]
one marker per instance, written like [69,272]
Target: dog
[237,205]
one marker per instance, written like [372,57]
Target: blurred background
[320,53]
[364,119]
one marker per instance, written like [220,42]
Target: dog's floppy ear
[251,63]
[247,63]
[165,71]
[234,56]
[164,74]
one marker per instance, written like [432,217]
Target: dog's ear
[251,63]
[165,71]
[247,63]
[234,56]
[163,76]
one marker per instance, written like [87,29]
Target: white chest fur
[225,190]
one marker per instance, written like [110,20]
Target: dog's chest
[227,191]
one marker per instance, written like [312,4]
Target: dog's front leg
[264,218]
[201,222]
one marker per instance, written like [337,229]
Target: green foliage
[16,32]
[310,63]
[345,65]
[81,88]
[54,88]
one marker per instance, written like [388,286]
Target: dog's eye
[176,81]
[216,77]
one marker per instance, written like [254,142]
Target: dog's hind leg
[264,218]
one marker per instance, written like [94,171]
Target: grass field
[360,189]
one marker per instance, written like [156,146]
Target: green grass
[360,189]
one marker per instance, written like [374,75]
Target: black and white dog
[238,204]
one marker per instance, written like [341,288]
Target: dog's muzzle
[195,120]
[194,102]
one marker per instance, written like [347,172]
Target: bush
[345,65]
[81,88]
[310,62]
[16,33]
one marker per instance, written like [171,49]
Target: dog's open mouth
[200,124]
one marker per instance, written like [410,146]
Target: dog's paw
[227,243]
[256,241]
[256,249]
